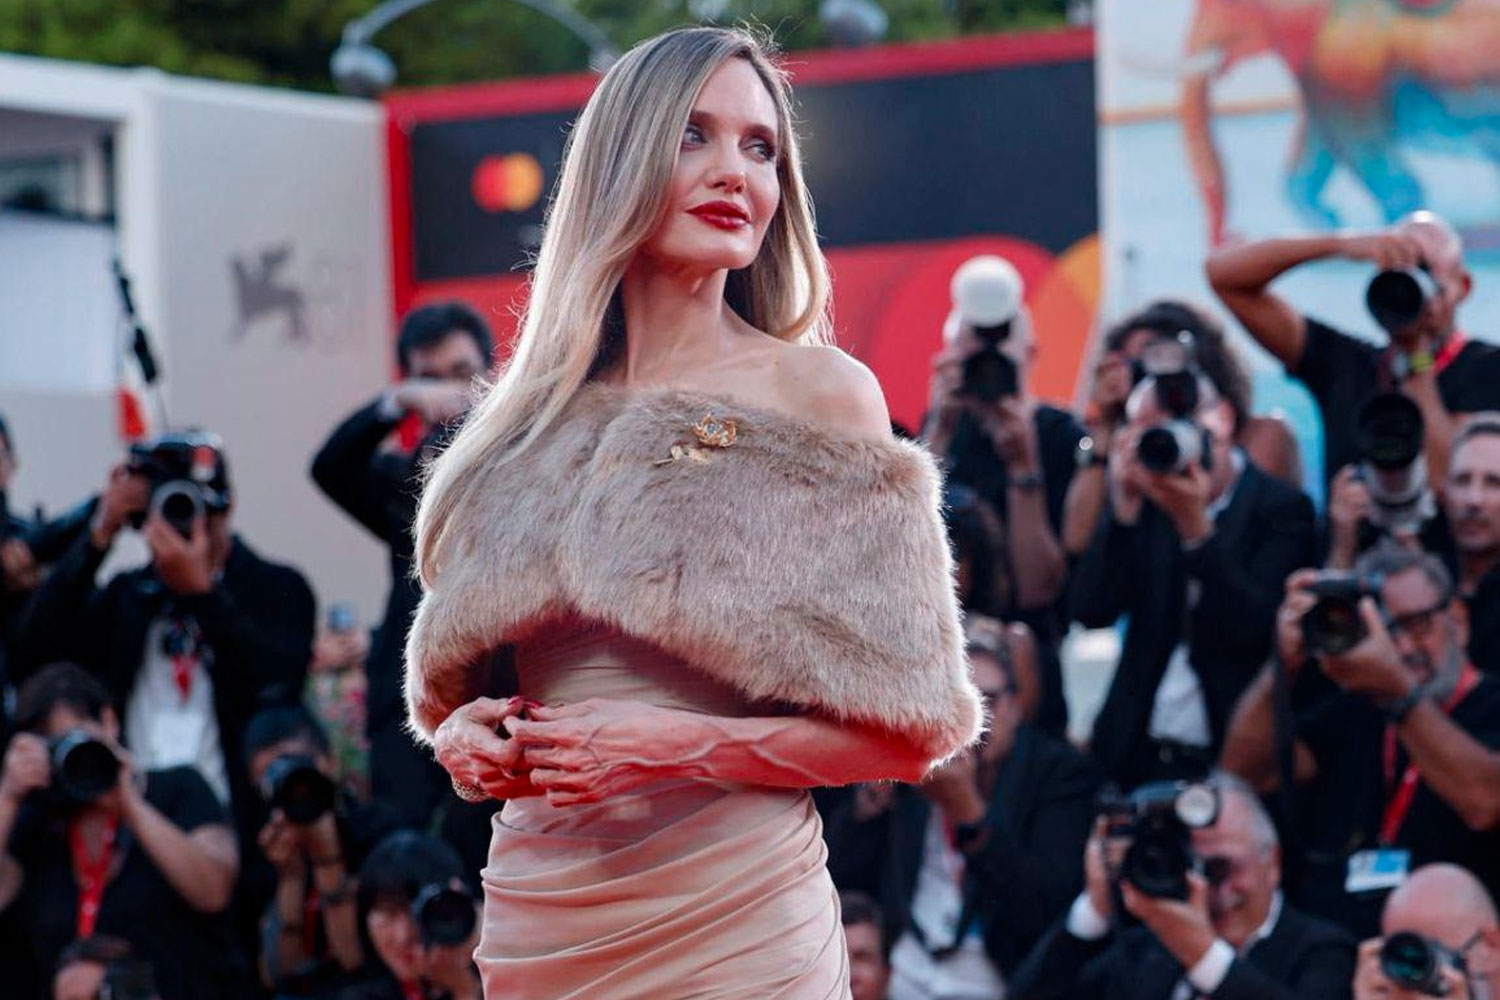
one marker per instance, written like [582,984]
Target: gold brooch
[711,432]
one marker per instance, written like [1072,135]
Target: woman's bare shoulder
[823,385]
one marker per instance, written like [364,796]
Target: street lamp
[363,70]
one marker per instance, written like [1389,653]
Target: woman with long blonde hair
[677,569]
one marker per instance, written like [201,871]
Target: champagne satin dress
[680,889]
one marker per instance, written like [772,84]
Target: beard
[1446,672]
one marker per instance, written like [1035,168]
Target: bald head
[1440,240]
[1442,901]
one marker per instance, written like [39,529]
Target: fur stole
[796,564]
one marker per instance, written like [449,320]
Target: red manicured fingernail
[531,703]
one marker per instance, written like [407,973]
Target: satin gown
[680,889]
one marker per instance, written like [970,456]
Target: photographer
[1440,938]
[1194,546]
[1426,357]
[1121,366]
[1014,452]
[1399,769]
[866,937]
[1232,936]
[420,920]
[1471,501]
[972,864]
[314,839]
[193,642]
[441,350]
[94,845]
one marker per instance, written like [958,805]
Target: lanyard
[91,875]
[1451,350]
[412,990]
[1400,802]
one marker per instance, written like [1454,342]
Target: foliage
[288,42]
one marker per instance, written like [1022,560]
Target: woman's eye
[692,134]
[764,149]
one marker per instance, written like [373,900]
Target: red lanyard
[411,990]
[91,875]
[1400,803]
[1451,350]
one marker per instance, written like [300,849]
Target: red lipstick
[722,214]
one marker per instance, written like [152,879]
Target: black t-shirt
[194,954]
[1344,372]
[1484,623]
[1342,810]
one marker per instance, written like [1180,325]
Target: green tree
[289,42]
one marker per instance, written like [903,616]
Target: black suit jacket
[1041,807]
[258,620]
[380,492]
[1265,533]
[1302,959]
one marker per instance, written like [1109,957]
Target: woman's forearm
[800,752]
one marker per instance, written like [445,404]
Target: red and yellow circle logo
[508,182]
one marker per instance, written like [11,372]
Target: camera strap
[1403,793]
[1452,349]
[91,875]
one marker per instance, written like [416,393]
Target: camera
[1388,431]
[293,784]
[84,768]
[1168,364]
[1416,963]
[1158,819]
[444,915]
[187,476]
[987,293]
[1333,626]
[1396,298]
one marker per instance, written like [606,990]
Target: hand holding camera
[1387,249]
[185,565]
[27,768]
[125,496]
[447,919]
[1349,506]
[1336,617]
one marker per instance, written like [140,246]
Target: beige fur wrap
[796,564]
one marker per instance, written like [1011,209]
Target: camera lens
[444,915]
[1388,431]
[84,768]
[1177,393]
[1332,627]
[179,503]
[1411,962]
[294,785]
[1170,447]
[1397,298]
[1157,863]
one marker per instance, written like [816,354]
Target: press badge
[1380,869]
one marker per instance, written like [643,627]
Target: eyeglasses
[1415,624]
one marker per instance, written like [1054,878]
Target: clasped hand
[582,752]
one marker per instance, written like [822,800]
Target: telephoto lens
[444,915]
[84,768]
[1172,446]
[1396,298]
[179,503]
[1414,963]
[987,294]
[293,784]
[1159,818]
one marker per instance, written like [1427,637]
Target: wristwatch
[1088,454]
[1404,365]
[1398,710]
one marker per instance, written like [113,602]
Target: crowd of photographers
[1292,788]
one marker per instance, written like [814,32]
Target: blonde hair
[611,194]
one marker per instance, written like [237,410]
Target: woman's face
[724,188]
[396,938]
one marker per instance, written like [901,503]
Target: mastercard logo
[510,182]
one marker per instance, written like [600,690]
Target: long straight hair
[611,195]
